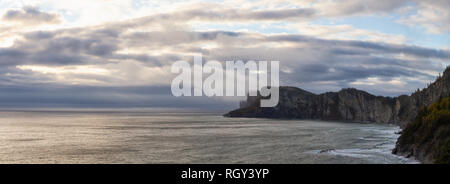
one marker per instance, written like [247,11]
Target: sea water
[134,136]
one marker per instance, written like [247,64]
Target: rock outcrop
[347,104]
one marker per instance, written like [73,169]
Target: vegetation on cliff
[427,138]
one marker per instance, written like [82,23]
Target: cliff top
[447,71]
[295,90]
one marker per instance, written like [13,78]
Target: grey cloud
[54,48]
[373,47]
[214,34]
[17,56]
[412,50]
[93,46]
[31,15]
[215,12]
[148,60]
[233,14]
[170,38]
[351,7]
[39,35]
[10,56]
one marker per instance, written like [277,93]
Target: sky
[118,53]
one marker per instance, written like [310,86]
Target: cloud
[358,7]
[127,63]
[433,15]
[373,47]
[31,15]
[345,32]
[231,14]
[135,57]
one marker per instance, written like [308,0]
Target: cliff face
[347,104]
[427,138]
[410,105]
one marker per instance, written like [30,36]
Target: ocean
[149,137]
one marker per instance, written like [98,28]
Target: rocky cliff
[347,104]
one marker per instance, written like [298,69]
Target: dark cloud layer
[31,15]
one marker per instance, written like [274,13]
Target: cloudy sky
[118,53]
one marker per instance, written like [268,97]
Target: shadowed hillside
[427,138]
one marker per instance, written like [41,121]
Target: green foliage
[430,131]
[444,152]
